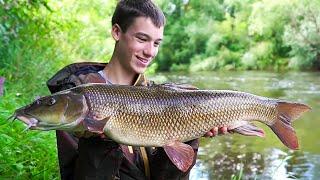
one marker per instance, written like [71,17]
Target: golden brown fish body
[160,115]
[152,116]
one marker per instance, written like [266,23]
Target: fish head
[61,111]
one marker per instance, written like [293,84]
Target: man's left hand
[216,131]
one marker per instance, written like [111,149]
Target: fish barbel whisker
[32,123]
[28,127]
[12,118]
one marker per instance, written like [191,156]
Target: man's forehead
[145,26]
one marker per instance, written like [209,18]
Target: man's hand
[216,131]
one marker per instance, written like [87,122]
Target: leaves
[251,34]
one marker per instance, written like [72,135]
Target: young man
[137,28]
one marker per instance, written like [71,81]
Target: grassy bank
[29,154]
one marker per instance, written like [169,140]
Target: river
[252,157]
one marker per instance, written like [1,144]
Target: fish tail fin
[288,112]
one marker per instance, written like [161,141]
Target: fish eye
[38,101]
[51,101]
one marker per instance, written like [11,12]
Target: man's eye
[156,44]
[141,39]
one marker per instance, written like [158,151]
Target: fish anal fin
[180,154]
[249,129]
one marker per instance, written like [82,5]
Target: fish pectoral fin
[249,129]
[95,126]
[180,154]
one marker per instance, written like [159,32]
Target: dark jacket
[87,156]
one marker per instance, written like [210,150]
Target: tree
[302,34]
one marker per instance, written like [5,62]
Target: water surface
[260,158]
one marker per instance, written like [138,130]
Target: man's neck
[117,74]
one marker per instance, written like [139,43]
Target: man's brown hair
[127,10]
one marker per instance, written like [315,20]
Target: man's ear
[116,32]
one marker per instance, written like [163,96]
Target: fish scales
[151,116]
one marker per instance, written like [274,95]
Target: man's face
[138,46]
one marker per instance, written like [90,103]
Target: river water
[253,157]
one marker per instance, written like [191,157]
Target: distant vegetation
[200,35]
[241,34]
[38,37]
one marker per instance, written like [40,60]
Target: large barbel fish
[160,115]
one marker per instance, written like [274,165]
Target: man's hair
[127,10]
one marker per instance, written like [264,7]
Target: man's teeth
[143,60]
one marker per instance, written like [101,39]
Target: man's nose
[150,50]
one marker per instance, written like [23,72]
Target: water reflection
[226,158]
[222,157]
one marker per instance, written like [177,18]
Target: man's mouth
[143,61]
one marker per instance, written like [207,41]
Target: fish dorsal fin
[249,129]
[180,154]
[179,87]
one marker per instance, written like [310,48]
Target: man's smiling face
[138,46]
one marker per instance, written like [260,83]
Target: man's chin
[140,70]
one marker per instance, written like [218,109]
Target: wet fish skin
[160,115]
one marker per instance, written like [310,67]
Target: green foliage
[258,56]
[183,37]
[50,34]
[302,34]
[36,39]
[24,155]
[207,64]
[239,176]
[234,34]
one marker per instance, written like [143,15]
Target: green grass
[24,154]
[239,175]
[46,43]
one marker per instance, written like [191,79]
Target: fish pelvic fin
[288,112]
[180,154]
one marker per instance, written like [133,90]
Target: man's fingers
[215,131]
[208,134]
[223,130]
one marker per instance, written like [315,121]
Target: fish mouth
[33,123]
[30,121]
